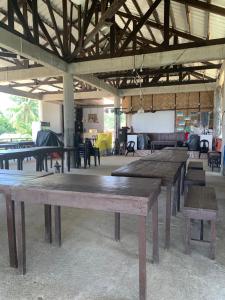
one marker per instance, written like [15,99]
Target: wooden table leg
[20,233]
[11,231]
[168,216]
[117,226]
[142,257]
[46,163]
[213,240]
[155,234]
[174,204]
[178,191]
[62,162]
[183,178]
[48,223]
[187,235]
[57,210]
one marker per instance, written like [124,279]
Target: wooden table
[162,143]
[173,157]
[39,153]
[9,179]
[103,193]
[169,174]
[176,148]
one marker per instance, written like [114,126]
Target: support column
[68,114]
[116,117]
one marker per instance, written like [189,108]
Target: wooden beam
[160,27]
[166,22]
[22,20]
[55,26]
[19,45]
[16,92]
[139,25]
[109,13]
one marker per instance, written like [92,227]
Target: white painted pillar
[69,118]
[68,110]
[116,117]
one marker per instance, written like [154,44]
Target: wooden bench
[195,165]
[195,177]
[200,204]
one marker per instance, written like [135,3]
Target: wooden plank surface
[106,193]
[200,197]
[169,155]
[167,171]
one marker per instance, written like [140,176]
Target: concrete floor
[90,265]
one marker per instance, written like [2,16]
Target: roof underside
[187,23]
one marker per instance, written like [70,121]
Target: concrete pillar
[116,117]
[69,117]
[68,109]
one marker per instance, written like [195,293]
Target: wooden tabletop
[10,178]
[168,155]
[106,193]
[24,152]
[176,148]
[167,171]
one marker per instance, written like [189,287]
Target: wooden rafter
[138,26]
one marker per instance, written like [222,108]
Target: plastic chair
[92,151]
[130,148]
[204,147]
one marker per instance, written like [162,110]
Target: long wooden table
[8,180]
[168,172]
[134,196]
[39,153]
[162,143]
[172,156]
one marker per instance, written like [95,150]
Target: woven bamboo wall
[187,102]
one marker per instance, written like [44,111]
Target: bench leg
[187,235]
[117,226]
[178,192]
[213,240]
[142,257]
[155,232]
[11,231]
[201,230]
[168,216]
[48,223]
[57,213]
[20,234]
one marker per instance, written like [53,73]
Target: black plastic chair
[92,151]
[130,148]
[204,147]
[83,153]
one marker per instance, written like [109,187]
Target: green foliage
[23,113]
[5,125]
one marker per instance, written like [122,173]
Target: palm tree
[23,113]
